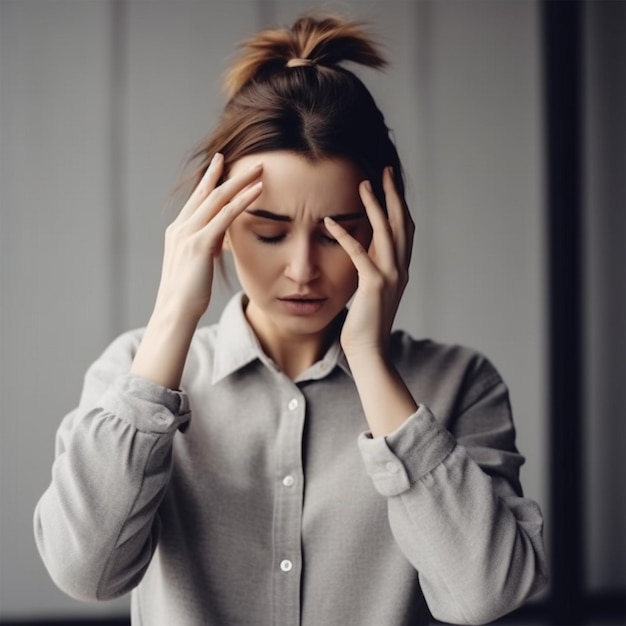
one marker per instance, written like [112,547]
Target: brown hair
[288,91]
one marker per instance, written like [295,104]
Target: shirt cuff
[149,407]
[400,459]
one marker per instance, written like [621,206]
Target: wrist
[169,311]
[367,357]
[368,368]
[163,350]
[386,400]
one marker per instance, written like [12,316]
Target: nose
[302,266]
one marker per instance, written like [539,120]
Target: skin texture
[299,268]
[295,274]
[192,241]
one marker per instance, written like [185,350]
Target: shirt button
[293,404]
[289,481]
[286,565]
[392,468]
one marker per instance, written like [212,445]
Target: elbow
[492,601]
[506,600]
[509,583]
[81,581]
[88,565]
[73,576]
[75,572]
[76,577]
[77,583]
[63,564]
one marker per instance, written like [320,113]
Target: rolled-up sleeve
[456,509]
[96,525]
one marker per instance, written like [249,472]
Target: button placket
[288,508]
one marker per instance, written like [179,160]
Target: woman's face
[296,276]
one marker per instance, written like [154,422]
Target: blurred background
[509,117]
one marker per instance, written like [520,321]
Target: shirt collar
[236,346]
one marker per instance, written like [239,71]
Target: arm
[456,511]
[386,401]
[476,544]
[97,526]
[383,276]
[453,509]
[192,242]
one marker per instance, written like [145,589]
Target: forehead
[296,186]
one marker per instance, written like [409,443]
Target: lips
[297,304]
[302,297]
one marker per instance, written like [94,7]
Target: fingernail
[367,185]
[217,157]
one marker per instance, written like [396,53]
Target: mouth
[302,305]
[302,298]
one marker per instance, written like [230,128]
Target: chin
[304,326]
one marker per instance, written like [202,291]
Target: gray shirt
[250,498]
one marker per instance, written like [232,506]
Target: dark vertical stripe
[118,287]
[562,50]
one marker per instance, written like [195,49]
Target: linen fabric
[250,498]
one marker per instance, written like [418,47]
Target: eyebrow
[277,217]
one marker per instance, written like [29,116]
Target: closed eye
[270,240]
[328,239]
[324,238]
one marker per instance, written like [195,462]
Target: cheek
[341,270]
[237,243]
[256,262]
[243,255]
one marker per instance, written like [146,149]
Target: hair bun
[313,39]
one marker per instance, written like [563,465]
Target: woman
[298,462]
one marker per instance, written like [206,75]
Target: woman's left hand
[383,270]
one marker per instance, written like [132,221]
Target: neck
[293,354]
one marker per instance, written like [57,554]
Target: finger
[357,253]
[207,183]
[400,221]
[217,227]
[225,193]
[382,235]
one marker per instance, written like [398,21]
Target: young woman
[298,462]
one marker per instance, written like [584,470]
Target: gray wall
[101,101]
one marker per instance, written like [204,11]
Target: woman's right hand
[192,242]
[194,239]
